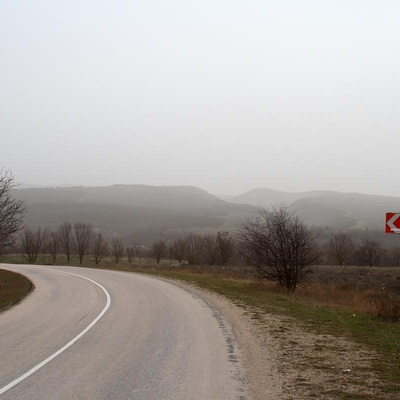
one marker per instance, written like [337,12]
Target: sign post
[392,222]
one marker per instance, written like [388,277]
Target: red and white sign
[392,222]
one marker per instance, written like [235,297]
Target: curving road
[97,334]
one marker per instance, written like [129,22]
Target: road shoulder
[284,360]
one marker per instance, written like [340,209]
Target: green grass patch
[13,288]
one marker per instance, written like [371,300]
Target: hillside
[263,197]
[347,210]
[327,208]
[136,212]
[146,213]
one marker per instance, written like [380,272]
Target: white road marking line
[70,343]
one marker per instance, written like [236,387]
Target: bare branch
[11,211]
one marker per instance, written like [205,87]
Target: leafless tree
[158,249]
[225,246]
[393,256]
[341,247]
[100,248]
[66,239]
[210,249]
[131,253]
[138,251]
[52,245]
[83,235]
[280,244]
[32,243]
[193,248]
[371,251]
[177,250]
[244,253]
[117,249]
[11,211]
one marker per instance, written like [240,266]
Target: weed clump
[386,304]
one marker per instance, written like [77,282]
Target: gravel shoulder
[285,360]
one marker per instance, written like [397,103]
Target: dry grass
[375,291]
[13,287]
[378,302]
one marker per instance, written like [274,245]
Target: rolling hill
[136,212]
[147,213]
[328,208]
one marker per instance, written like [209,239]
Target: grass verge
[13,288]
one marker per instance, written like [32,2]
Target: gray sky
[225,95]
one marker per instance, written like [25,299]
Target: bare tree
[83,235]
[210,249]
[52,245]
[131,253]
[280,245]
[66,239]
[117,249]
[138,251]
[244,253]
[32,243]
[177,250]
[340,247]
[11,211]
[193,248]
[158,249]
[225,246]
[394,256]
[371,251]
[100,248]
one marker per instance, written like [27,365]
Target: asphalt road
[96,334]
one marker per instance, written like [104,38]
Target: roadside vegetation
[13,288]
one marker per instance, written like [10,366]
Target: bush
[386,304]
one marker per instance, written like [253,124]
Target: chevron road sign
[392,222]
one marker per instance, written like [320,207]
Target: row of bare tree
[342,250]
[277,244]
[79,239]
[197,249]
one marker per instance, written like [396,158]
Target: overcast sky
[226,95]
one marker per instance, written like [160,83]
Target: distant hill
[147,213]
[347,210]
[166,197]
[328,208]
[137,212]
[262,197]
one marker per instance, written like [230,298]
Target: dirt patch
[285,360]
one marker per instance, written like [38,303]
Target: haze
[223,95]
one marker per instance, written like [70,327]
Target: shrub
[386,304]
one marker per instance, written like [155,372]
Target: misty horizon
[224,96]
[227,196]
